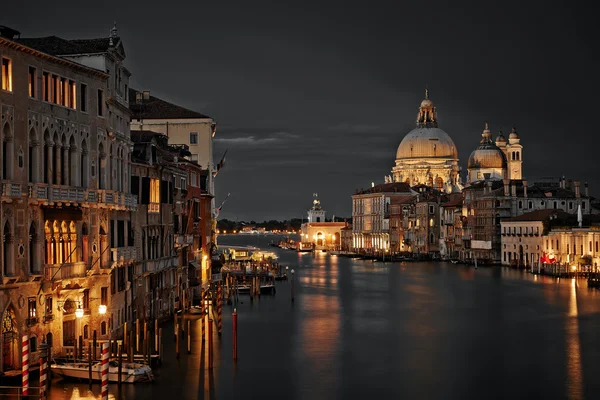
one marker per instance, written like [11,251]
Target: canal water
[362,329]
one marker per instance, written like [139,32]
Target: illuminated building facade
[65,201]
[324,235]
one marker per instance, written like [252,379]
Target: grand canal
[359,329]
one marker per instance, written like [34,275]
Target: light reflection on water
[359,329]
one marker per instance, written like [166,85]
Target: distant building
[371,215]
[322,234]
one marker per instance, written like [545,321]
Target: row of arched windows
[60,160]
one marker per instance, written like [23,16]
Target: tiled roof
[395,187]
[56,46]
[155,108]
[457,201]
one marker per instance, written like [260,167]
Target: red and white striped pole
[104,371]
[43,366]
[25,350]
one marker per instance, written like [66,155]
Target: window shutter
[135,185]
[164,192]
[145,198]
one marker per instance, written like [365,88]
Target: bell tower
[514,155]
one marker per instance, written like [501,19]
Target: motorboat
[131,372]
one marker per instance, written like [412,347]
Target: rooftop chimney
[569,184]
[506,193]
[586,190]
[524,188]
[562,182]
[577,189]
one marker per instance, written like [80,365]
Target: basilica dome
[427,142]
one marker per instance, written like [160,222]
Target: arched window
[56,160]
[7,254]
[439,183]
[65,161]
[103,328]
[47,156]
[7,153]
[73,162]
[518,156]
[84,164]
[102,168]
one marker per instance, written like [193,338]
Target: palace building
[427,155]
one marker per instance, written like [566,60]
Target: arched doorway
[10,340]
[319,239]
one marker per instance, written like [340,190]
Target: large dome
[427,142]
[487,156]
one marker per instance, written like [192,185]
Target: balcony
[32,321]
[13,190]
[70,270]
[123,253]
[48,317]
[46,194]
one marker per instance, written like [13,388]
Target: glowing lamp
[102,309]
[79,312]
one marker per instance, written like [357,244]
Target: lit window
[48,305]
[154,205]
[32,308]
[193,137]
[32,77]
[6,74]
[72,95]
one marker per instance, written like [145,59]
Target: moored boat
[130,372]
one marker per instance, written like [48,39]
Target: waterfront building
[189,128]
[160,274]
[371,215]
[423,232]
[574,243]
[523,237]
[65,204]
[451,227]
[319,232]
[400,210]
[427,155]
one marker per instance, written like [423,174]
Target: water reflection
[573,347]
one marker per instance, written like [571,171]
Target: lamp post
[79,338]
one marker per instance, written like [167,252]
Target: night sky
[316,96]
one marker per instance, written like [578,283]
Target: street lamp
[102,309]
[79,312]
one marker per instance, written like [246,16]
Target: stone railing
[123,253]
[70,194]
[10,189]
[65,271]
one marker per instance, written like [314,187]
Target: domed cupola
[514,138]
[487,160]
[500,140]
[427,155]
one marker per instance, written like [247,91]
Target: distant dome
[426,103]
[513,134]
[427,142]
[487,156]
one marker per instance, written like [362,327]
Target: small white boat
[130,372]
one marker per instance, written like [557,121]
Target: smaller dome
[500,138]
[513,134]
[487,156]
[426,103]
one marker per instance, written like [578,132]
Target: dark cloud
[316,96]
